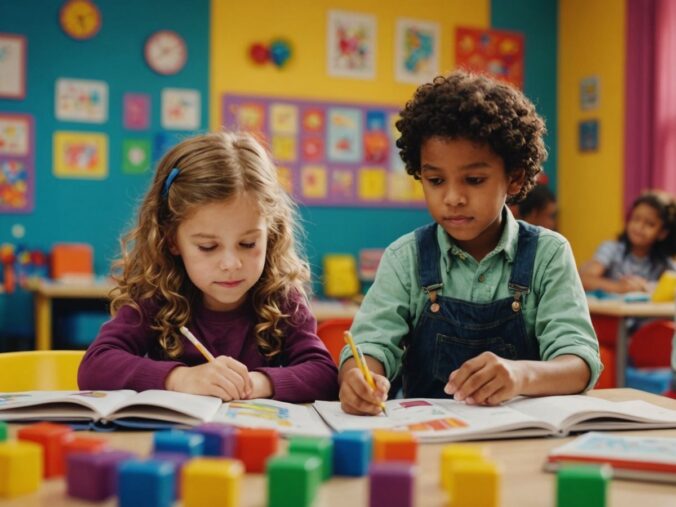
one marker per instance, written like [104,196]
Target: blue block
[653,380]
[177,459]
[351,453]
[146,484]
[184,442]
[219,439]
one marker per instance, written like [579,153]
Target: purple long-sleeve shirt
[126,354]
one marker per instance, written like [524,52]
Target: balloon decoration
[278,52]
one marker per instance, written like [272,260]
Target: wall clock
[166,52]
[80,19]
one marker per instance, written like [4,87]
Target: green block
[320,447]
[293,480]
[582,485]
[3,431]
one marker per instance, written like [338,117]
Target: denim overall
[451,331]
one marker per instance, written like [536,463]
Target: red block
[52,437]
[90,445]
[394,446]
[254,446]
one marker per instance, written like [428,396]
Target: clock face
[80,19]
[165,52]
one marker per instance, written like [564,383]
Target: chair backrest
[39,370]
[331,333]
[650,345]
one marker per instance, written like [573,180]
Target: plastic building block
[352,453]
[3,431]
[293,480]
[254,446]
[212,482]
[391,484]
[320,447]
[20,468]
[582,485]
[93,477]
[219,439]
[51,437]
[394,446]
[178,459]
[72,260]
[145,484]
[454,453]
[186,442]
[81,444]
[475,484]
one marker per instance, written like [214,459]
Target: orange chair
[331,333]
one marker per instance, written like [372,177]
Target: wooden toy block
[212,482]
[145,483]
[352,452]
[293,480]
[394,446]
[454,453]
[186,442]
[20,468]
[219,439]
[93,477]
[475,484]
[72,260]
[52,438]
[82,444]
[582,485]
[320,447]
[254,446]
[3,431]
[391,484]
[177,459]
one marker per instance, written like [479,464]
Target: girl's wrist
[173,379]
[262,386]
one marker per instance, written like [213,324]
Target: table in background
[623,311]
[523,483]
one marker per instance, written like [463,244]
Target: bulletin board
[17,165]
[329,154]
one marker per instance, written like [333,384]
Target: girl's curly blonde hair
[212,167]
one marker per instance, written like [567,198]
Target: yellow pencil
[361,364]
[198,345]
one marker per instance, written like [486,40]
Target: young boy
[475,305]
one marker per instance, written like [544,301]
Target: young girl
[214,251]
[642,252]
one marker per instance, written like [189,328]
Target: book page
[61,405]
[160,405]
[287,418]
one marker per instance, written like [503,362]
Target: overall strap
[428,260]
[524,262]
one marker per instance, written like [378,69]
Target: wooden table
[624,311]
[524,484]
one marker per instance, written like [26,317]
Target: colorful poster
[17,163]
[136,111]
[351,44]
[588,136]
[589,93]
[494,52]
[181,109]
[329,154]
[135,156]
[82,155]
[12,66]
[416,51]
[14,134]
[81,100]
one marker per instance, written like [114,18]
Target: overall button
[482,278]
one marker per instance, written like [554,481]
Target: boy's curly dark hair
[480,109]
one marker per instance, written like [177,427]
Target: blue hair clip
[170,179]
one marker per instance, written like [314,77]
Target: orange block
[394,446]
[52,437]
[89,445]
[253,446]
[72,259]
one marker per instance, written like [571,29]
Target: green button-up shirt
[555,311]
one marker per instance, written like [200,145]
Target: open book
[448,420]
[631,457]
[156,409]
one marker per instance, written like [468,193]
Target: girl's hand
[262,387]
[225,378]
[632,283]
[486,379]
[357,397]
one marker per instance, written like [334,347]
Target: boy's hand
[225,378]
[357,397]
[486,379]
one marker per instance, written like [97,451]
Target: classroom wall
[592,42]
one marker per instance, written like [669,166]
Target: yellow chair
[39,370]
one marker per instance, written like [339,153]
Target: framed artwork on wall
[12,66]
[81,155]
[351,44]
[416,51]
[17,163]
[81,100]
[588,136]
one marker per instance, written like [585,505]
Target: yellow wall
[591,185]
[237,24]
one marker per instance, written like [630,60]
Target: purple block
[219,439]
[391,484]
[177,459]
[93,477]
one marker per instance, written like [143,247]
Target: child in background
[641,253]
[213,250]
[475,305]
[538,207]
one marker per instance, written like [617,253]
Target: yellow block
[451,455]
[20,468]
[211,482]
[665,290]
[476,484]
